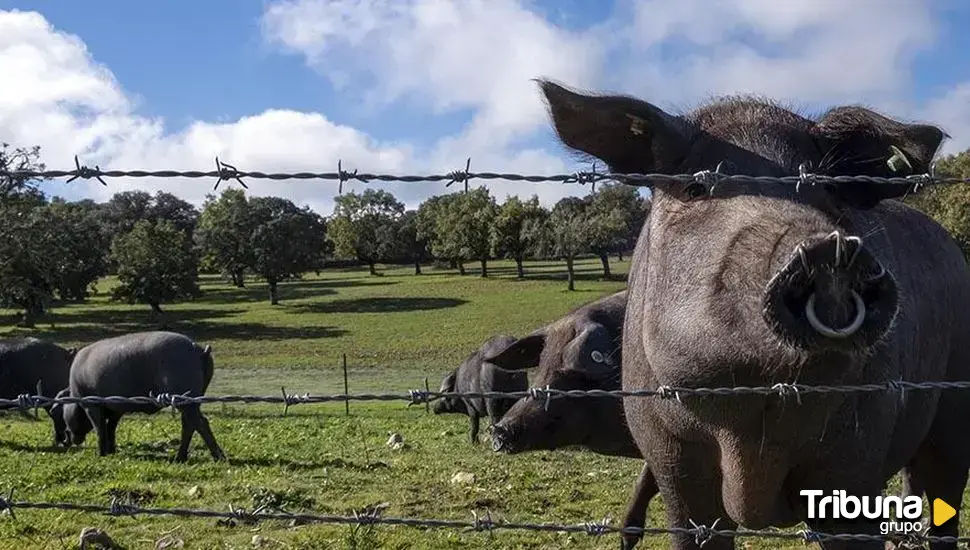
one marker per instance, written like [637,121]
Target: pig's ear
[522,354]
[448,384]
[598,352]
[628,134]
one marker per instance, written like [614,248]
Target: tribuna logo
[898,515]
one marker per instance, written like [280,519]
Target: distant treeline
[54,251]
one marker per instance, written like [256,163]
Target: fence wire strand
[414,397]
[708,178]
[701,533]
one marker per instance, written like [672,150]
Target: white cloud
[952,113]
[68,104]
[479,54]
[820,50]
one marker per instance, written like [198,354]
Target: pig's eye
[597,356]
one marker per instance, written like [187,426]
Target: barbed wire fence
[708,179]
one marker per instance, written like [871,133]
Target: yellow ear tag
[898,160]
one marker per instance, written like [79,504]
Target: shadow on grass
[255,331]
[532,272]
[295,290]
[199,331]
[24,448]
[139,316]
[577,276]
[163,452]
[380,305]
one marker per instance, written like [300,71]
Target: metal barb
[244,516]
[84,172]
[342,175]
[597,528]
[25,402]
[118,508]
[369,516]
[666,392]
[703,534]
[483,523]
[7,504]
[582,178]
[788,390]
[809,536]
[537,393]
[226,173]
[417,397]
[459,176]
[922,180]
[804,177]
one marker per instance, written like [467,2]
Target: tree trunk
[453,263]
[417,267]
[274,296]
[29,319]
[238,280]
[371,268]
[484,267]
[461,267]
[569,273]
[619,256]
[158,316]
[606,267]
[518,268]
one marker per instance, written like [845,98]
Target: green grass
[396,330]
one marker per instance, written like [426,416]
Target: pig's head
[471,366]
[71,423]
[568,355]
[446,405]
[78,423]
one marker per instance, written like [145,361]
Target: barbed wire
[701,533]
[708,178]
[413,397]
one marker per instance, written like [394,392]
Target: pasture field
[395,329]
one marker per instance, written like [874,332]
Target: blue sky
[411,85]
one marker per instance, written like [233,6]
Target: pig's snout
[503,438]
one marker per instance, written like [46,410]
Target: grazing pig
[474,375]
[133,365]
[35,367]
[580,351]
[763,282]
